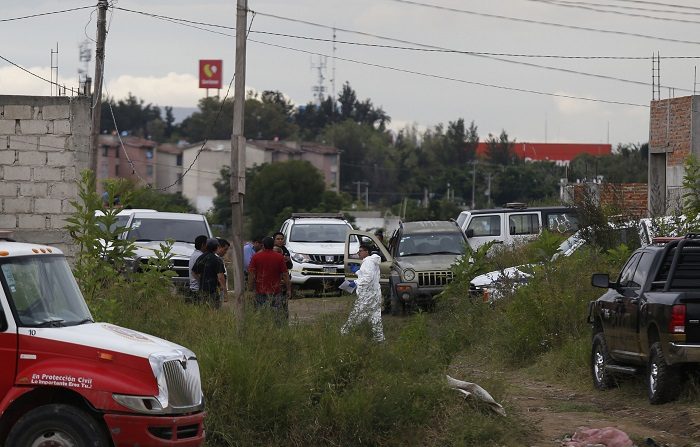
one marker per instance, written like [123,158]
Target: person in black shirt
[209,270]
[279,242]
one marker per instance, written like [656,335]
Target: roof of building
[551,151]
[268,145]
[128,140]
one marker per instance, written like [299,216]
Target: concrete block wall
[44,145]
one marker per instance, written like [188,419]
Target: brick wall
[670,128]
[629,198]
[44,145]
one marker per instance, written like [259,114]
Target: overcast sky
[157,59]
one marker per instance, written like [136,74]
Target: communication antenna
[656,77]
[319,90]
[333,71]
[85,56]
[54,72]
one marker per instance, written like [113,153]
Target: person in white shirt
[368,305]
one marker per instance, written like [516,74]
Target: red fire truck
[66,380]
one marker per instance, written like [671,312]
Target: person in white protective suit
[368,305]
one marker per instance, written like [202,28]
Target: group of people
[266,265]
[207,270]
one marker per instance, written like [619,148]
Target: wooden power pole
[238,159]
[99,74]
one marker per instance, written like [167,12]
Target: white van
[515,222]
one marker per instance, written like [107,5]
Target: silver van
[514,223]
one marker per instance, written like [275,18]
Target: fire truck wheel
[57,425]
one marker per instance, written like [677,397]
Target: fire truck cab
[66,380]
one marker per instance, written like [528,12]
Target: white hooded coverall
[368,305]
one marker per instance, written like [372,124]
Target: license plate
[330,270]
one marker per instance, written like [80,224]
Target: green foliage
[305,384]
[500,150]
[295,184]
[103,257]
[161,201]
[691,187]
[627,164]
[134,117]
[102,254]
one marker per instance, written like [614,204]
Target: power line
[73,91]
[540,22]
[424,47]
[609,11]
[642,2]
[634,8]
[447,78]
[45,13]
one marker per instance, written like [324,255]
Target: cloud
[570,106]
[173,89]
[19,82]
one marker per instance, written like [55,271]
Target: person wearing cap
[209,271]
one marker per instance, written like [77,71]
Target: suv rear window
[486,225]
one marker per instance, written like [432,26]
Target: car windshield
[431,243]
[319,233]
[164,229]
[43,291]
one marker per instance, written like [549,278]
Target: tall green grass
[305,384]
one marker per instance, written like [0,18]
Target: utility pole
[238,159]
[359,184]
[99,74]
[473,183]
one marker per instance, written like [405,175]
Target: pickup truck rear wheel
[57,425]
[663,380]
[600,358]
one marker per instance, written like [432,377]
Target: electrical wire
[46,13]
[73,91]
[642,2]
[634,8]
[540,22]
[608,11]
[425,48]
[447,78]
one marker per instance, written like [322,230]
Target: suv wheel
[600,358]
[662,379]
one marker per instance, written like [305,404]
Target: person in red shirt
[266,271]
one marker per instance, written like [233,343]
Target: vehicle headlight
[409,274]
[140,404]
[300,257]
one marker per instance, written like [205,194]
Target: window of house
[178,160]
[149,170]
[149,154]
[105,151]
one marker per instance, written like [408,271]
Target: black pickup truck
[649,319]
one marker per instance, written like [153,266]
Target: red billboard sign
[210,71]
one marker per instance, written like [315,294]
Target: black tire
[600,358]
[663,380]
[57,424]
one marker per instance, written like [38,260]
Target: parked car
[515,222]
[148,230]
[648,320]
[315,242]
[416,265]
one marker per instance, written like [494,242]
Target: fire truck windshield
[43,292]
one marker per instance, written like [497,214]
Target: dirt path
[555,411]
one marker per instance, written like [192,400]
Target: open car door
[352,261]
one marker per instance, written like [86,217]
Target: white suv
[316,243]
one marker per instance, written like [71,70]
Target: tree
[500,151]
[295,184]
[130,114]
[268,117]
